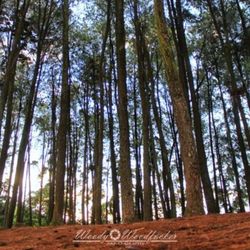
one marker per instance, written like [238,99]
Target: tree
[227,52]
[148,112]
[125,169]
[188,148]
[43,26]
[186,75]
[144,93]
[64,121]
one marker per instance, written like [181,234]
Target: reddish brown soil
[230,231]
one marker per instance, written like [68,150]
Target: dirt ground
[229,231]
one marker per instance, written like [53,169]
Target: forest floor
[229,231]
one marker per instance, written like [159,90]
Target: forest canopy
[124,110]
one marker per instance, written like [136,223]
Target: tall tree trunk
[95,170]
[232,152]
[115,184]
[63,121]
[147,201]
[167,177]
[174,21]
[178,160]
[219,162]
[41,183]
[70,173]
[75,165]
[68,176]
[155,165]
[53,150]
[137,155]
[99,157]
[22,195]
[107,197]
[128,214]
[212,125]
[187,71]
[188,147]
[154,193]
[29,176]
[85,153]
[211,142]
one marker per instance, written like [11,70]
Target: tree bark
[115,184]
[144,93]
[167,177]
[188,148]
[137,155]
[125,168]
[53,149]
[63,121]
[187,72]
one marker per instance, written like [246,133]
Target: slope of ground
[229,231]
